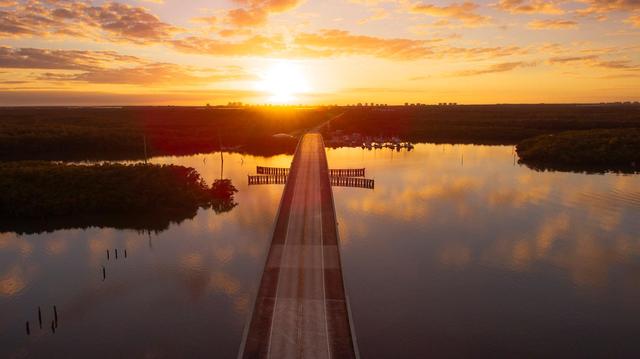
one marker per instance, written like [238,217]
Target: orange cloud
[552,24]
[252,46]
[594,61]
[481,52]
[332,42]
[247,17]
[211,21]
[155,73]
[256,12]
[115,21]
[603,6]
[464,12]
[60,59]
[109,68]
[378,14]
[531,6]
[634,20]
[495,68]
[335,42]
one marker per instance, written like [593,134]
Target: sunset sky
[59,52]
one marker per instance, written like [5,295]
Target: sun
[283,80]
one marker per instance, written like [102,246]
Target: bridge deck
[301,309]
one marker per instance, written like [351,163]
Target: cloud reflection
[486,210]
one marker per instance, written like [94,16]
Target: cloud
[603,6]
[207,20]
[481,52]
[30,58]
[331,42]
[569,59]
[531,6]
[335,42]
[253,46]
[108,67]
[634,20]
[552,24]
[495,68]
[324,43]
[465,12]
[148,74]
[372,2]
[378,14]
[247,17]
[113,21]
[594,61]
[256,12]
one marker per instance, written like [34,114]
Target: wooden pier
[347,172]
[267,179]
[341,172]
[271,170]
[357,182]
[338,177]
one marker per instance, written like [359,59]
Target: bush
[45,189]
[593,150]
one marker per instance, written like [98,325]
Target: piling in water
[104,273]
[125,253]
[116,254]
[40,317]
[28,330]
[107,254]
[55,315]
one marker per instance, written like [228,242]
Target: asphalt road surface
[300,310]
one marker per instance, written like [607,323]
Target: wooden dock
[340,172]
[352,182]
[347,172]
[301,310]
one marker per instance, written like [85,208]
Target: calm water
[457,252]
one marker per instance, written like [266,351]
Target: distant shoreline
[108,133]
[311,106]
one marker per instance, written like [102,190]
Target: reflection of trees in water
[223,192]
[156,222]
[46,196]
[588,169]
[221,200]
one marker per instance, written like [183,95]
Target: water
[457,252]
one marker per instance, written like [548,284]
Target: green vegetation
[120,133]
[593,150]
[599,138]
[483,124]
[125,133]
[139,196]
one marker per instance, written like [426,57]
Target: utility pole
[221,156]
[144,140]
